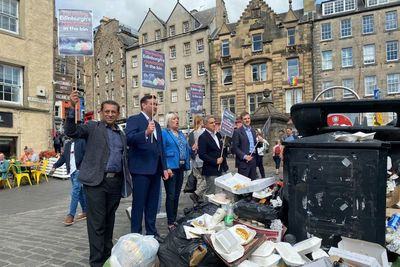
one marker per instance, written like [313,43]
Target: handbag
[191,183]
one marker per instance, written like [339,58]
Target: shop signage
[62,97]
[6,119]
[37,99]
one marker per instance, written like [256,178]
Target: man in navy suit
[146,164]
[244,147]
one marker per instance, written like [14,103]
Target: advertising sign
[196,98]
[153,69]
[228,123]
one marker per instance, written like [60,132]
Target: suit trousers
[248,169]
[146,191]
[102,202]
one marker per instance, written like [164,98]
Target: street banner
[228,123]
[196,98]
[265,128]
[75,32]
[153,69]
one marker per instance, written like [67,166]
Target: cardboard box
[393,197]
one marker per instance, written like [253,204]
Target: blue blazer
[79,152]
[170,143]
[144,155]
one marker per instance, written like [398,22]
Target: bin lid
[328,140]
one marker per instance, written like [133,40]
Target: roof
[205,17]
[127,40]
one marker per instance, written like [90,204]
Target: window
[227,76]
[349,83]
[368,24]
[369,54]
[112,57]
[187,93]
[57,111]
[135,81]
[393,83]
[121,91]
[106,59]
[293,67]
[291,35]
[345,28]
[174,74]
[145,38]
[337,6]
[107,95]
[293,96]
[349,5]
[326,33]
[161,120]
[379,2]
[255,13]
[225,48]
[328,8]
[172,52]
[112,94]
[136,101]
[391,20]
[188,71]
[9,15]
[158,35]
[160,97]
[228,103]
[327,60]
[97,80]
[172,30]
[123,109]
[392,53]
[121,53]
[370,85]
[11,84]
[112,75]
[134,61]
[186,49]
[253,101]
[257,43]
[122,72]
[98,63]
[328,94]
[200,45]
[201,70]
[63,68]
[259,72]
[174,96]
[347,57]
[185,26]
[106,78]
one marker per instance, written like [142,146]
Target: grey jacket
[93,165]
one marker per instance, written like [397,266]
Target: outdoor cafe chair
[39,172]
[5,176]
[19,175]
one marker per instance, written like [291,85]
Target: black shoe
[194,198]
[159,238]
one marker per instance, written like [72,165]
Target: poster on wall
[196,98]
[153,69]
[75,32]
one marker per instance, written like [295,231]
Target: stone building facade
[105,72]
[183,38]
[26,75]
[263,50]
[357,46]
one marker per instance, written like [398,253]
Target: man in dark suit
[103,172]
[146,164]
[210,147]
[244,147]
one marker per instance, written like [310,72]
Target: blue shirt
[250,137]
[289,138]
[114,163]
[182,146]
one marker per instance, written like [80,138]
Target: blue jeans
[77,194]
[173,188]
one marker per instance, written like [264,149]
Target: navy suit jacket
[79,152]
[209,152]
[144,156]
[241,146]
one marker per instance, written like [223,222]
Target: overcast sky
[132,12]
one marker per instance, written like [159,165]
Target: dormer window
[185,26]
[257,42]
[158,35]
[338,6]
[145,38]
[172,30]
[256,13]
[379,2]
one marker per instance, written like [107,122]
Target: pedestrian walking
[57,143]
[277,155]
[103,172]
[72,157]
[146,164]
[260,152]
[177,154]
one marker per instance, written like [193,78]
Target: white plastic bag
[134,250]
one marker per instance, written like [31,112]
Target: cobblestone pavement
[32,232]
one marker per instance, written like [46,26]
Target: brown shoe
[80,217]
[68,220]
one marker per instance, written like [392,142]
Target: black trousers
[249,169]
[260,165]
[102,203]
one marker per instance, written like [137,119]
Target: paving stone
[3,263]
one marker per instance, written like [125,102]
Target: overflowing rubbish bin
[337,186]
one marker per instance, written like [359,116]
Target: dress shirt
[115,147]
[250,138]
[214,136]
[148,119]
[72,162]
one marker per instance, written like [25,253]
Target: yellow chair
[5,176]
[18,174]
[38,173]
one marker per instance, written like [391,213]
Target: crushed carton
[239,184]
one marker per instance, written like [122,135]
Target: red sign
[338,120]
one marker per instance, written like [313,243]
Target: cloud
[132,12]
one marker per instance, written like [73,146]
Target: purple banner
[196,98]
[153,69]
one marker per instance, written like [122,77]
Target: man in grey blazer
[104,174]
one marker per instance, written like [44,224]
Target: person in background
[290,135]
[33,157]
[72,157]
[57,142]
[25,156]
[277,155]
[177,154]
[196,162]
[4,164]
[260,151]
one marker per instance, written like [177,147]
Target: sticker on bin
[239,184]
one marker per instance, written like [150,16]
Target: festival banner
[153,69]
[75,32]
[228,123]
[196,98]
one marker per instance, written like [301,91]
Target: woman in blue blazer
[177,153]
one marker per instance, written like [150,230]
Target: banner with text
[228,123]
[153,69]
[75,32]
[196,98]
